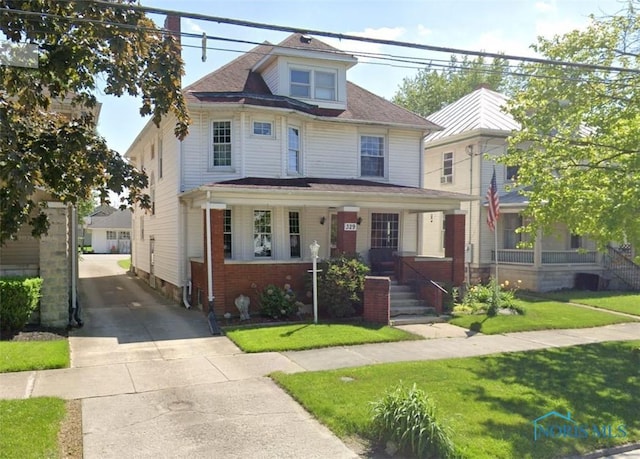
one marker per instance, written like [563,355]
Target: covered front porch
[258,232]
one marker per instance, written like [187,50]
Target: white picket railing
[549,257]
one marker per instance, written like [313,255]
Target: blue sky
[509,26]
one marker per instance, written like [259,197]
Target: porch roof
[327,192]
[512,200]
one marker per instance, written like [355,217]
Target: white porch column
[537,250]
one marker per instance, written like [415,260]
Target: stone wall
[55,268]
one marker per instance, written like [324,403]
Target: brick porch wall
[377,299]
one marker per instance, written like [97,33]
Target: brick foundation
[377,299]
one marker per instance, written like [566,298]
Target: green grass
[310,336]
[628,302]
[30,427]
[33,355]
[540,315]
[489,402]
[125,264]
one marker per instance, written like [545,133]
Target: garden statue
[242,303]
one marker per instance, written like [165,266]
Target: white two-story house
[283,151]
[461,158]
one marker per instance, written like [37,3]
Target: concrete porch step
[412,310]
[413,319]
[406,303]
[403,295]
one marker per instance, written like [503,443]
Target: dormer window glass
[300,83]
[313,84]
[325,87]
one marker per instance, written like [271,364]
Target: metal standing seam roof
[480,109]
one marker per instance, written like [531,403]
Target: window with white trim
[447,168]
[512,172]
[293,155]
[294,234]
[221,151]
[262,233]
[372,156]
[226,233]
[316,84]
[124,235]
[384,230]
[262,128]
[111,235]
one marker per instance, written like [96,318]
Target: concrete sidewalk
[195,397]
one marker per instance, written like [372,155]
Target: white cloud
[546,7]
[423,31]
[192,26]
[494,41]
[383,33]
[549,29]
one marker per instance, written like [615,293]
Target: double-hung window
[294,234]
[262,234]
[316,84]
[447,168]
[221,152]
[371,156]
[293,156]
[300,83]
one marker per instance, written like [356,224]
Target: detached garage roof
[120,219]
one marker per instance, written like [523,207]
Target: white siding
[404,157]
[263,154]
[270,76]
[331,150]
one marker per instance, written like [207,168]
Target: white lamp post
[314,247]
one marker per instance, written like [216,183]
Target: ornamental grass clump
[407,417]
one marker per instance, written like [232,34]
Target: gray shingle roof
[119,219]
[236,82]
[480,109]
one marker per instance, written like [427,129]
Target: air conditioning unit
[446,179]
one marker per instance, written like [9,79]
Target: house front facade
[460,158]
[111,232]
[283,151]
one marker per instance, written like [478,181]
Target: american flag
[493,211]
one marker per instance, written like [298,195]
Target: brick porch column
[377,300]
[454,228]
[217,257]
[346,239]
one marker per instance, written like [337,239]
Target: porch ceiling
[325,192]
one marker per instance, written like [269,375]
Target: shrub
[483,299]
[277,302]
[340,285]
[407,417]
[20,298]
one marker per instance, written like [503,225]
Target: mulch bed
[35,333]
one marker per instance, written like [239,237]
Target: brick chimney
[172,24]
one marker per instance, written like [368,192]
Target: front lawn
[490,402]
[540,315]
[125,264]
[33,355]
[30,427]
[628,302]
[309,336]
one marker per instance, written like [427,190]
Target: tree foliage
[578,149]
[80,44]
[430,89]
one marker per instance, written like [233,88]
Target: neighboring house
[459,159]
[110,232]
[283,150]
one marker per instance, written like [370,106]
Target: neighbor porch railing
[549,257]
[621,266]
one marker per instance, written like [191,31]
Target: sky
[508,26]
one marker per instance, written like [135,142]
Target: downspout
[186,288]
[74,312]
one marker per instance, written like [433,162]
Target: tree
[430,90]
[578,148]
[80,43]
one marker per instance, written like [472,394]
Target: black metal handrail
[425,278]
[622,267]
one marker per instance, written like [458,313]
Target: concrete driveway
[155,383]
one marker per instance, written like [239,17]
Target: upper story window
[325,87]
[512,172]
[262,128]
[293,156]
[316,84]
[371,156]
[221,153]
[300,83]
[447,168]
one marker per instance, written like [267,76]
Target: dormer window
[316,84]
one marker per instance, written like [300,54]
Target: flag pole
[495,246]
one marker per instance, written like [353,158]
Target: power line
[340,36]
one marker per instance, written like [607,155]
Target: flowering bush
[341,285]
[489,298]
[277,302]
